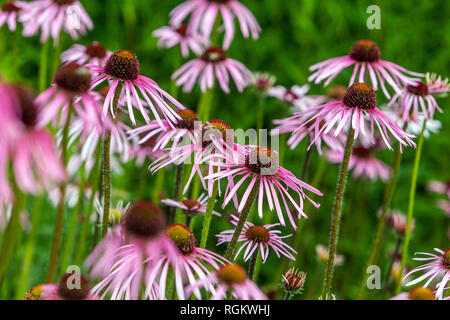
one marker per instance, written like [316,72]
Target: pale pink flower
[444,205]
[93,53]
[170,36]
[440,187]
[230,277]
[260,167]
[322,254]
[10,13]
[398,221]
[437,265]
[191,206]
[204,14]
[213,64]
[53,16]
[256,238]
[366,57]
[296,96]
[123,66]
[262,81]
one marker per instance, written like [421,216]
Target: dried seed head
[69,290]
[123,65]
[361,96]
[73,78]
[365,51]
[232,274]
[144,219]
[183,238]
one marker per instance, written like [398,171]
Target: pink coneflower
[322,254]
[204,14]
[398,221]
[213,64]
[128,252]
[122,68]
[293,281]
[189,206]
[419,96]
[230,277]
[262,81]
[365,56]
[93,53]
[52,16]
[432,126]
[10,13]
[439,266]
[418,293]
[70,287]
[191,265]
[181,132]
[32,151]
[258,237]
[261,168]
[357,107]
[440,187]
[363,161]
[444,205]
[170,36]
[296,96]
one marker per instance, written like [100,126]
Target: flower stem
[287,296]
[107,167]
[336,215]
[391,264]
[176,192]
[412,195]
[381,222]
[260,119]
[242,219]
[251,269]
[204,106]
[208,215]
[57,236]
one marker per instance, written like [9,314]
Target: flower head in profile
[296,97]
[365,56]
[53,16]
[322,254]
[262,81]
[189,206]
[293,281]
[122,69]
[398,221]
[93,53]
[230,277]
[256,238]
[204,14]
[10,12]
[260,168]
[170,36]
[191,265]
[444,205]
[437,265]
[357,110]
[418,98]
[439,187]
[116,213]
[418,293]
[214,64]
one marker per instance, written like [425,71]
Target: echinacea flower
[116,213]
[52,16]
[419,97]
[366,57]
[170,36]
[444,205]
[293,281]
[418,293]
[122,68]
[358,106]
[189,206]
[191,265]
[260,167]
[363,162]
[128,252]
[432,126]
[440,187]
[322,254]
[93,53]
[296,96]
[437,265]
[10,12]
[229,278]
[256,238]
[398,221]
[204,14]
[213,64]
[71,286]
[262,81]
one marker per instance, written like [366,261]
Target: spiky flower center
[293,280]
[191,204]
[263,161]
[362,152]
[73,78]
[183,238]
[214,54]
[188,118]
[446,258]
[232,274]
[144,219]
[258,234]
[10,7]
[74,287]
[64,2]
[420,89]
[361,96]
[421,293]
[96,50]
[337,92]
[365,51]
[124,65]
[34,293]
[182,30]
[219,129]
[27,109]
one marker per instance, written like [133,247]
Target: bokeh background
[295,34]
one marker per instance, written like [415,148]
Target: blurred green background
[295,34]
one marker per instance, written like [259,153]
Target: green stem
[251,268]
[107,167]
[381,222]
[412,195]
[242,219]
[391,264]
[287,296]
[57,236]
[208,215]
[204,106]
[260,119]
[43,66]
[336,215]
[176,192]
[158,185]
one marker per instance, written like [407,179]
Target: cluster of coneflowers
[101,111]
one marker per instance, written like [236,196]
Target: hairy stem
[251,268]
